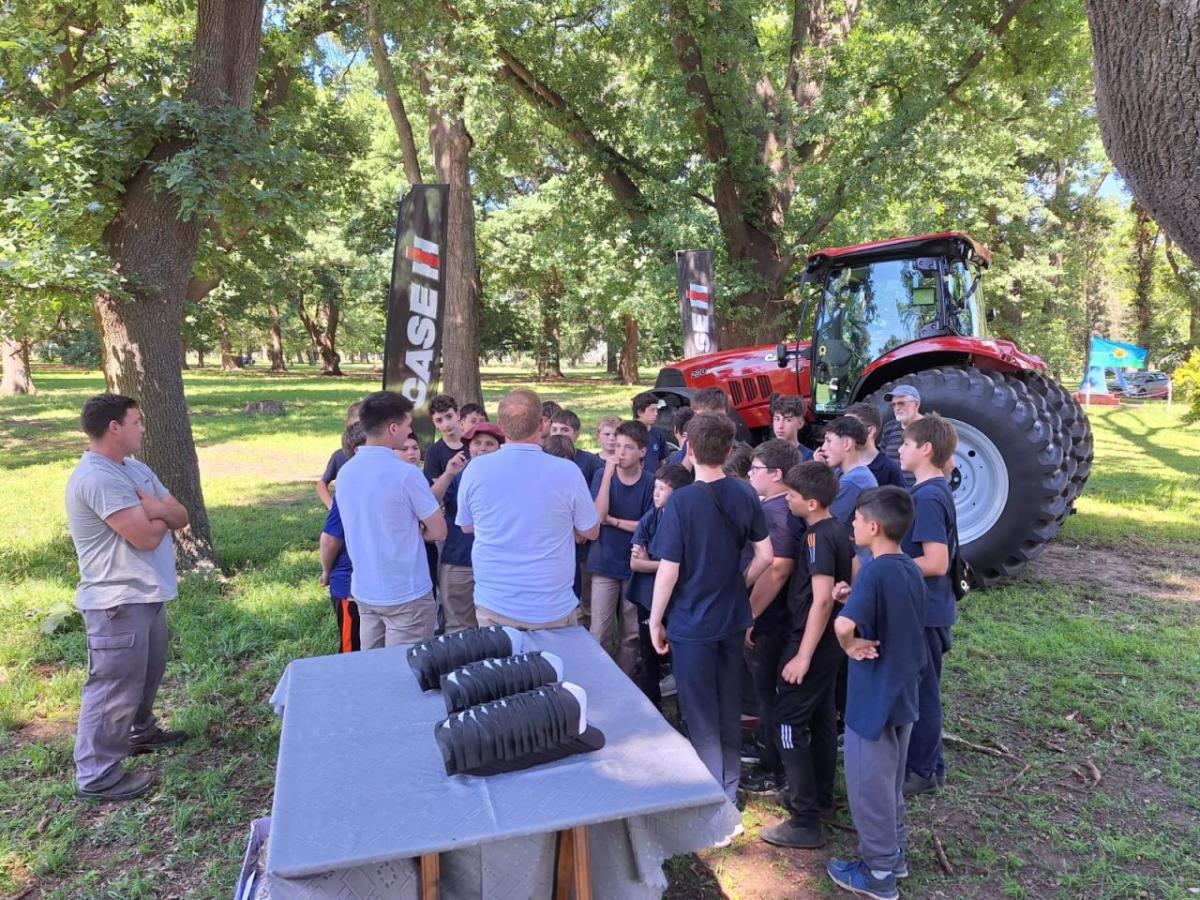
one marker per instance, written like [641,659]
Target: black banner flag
[697,301]
[412,355]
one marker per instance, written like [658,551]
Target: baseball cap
[484,428]
[902,390]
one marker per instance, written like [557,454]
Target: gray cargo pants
[127,653]
[875,788]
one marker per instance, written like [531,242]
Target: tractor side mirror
[781,355]
[991,314]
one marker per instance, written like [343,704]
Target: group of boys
[733,559]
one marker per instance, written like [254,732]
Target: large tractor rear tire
[1009,483]
[1081,448]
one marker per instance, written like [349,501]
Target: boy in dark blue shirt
[645,410]
[787,421]
[335,558]
[336,460]
[805,712]
[928,445]
[698,544]
[667,480]
[444,411]
[623,492]
[885,469]
[881,630]
[771,461]
[845,440]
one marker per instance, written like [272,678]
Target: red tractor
[909,311]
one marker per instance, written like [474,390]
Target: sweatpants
[763,661]
[614,621]
[805,717]
[925,747]
[708,677]
[127,653]
[402,623]
[650,665]
[875,786]
[345,612]
[456,593]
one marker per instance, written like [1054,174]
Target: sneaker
[941,779]
[132,784]
[920,784]
[728,839]
[666,687]
[901,869]
[855,877]
[155,739]
[762,781]
[791,833]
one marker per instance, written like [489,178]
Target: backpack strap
[738,538]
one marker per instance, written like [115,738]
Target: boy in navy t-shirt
[787,420]
[881,630]
[845,440]
[336,460]
[667,480]
[768,602]
[645,410]
[698,544]
[885,469]
[928,446]
[444,411]
[623,492]
[805,712]
[335,559]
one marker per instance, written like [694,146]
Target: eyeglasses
[755,467]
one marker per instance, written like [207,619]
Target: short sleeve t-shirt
[934,523]
[710,600]
[850,485]
[589,464]
[656,450]
[887,605]
[112,571]
[456,549]
[886,471]
[786,533]
[609,553]
[336,461]
[382,501]
[437,457]
[826,550]
[525,506]
[641,584]
[339,575]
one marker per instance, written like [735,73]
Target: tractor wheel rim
[979,482]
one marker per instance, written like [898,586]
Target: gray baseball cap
[902,390]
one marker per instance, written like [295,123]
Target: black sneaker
[920,784]
[762,781]
[790,833]
[132,784]
[156,739]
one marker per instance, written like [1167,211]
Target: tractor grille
[749,389]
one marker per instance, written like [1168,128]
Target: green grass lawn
[1090,660]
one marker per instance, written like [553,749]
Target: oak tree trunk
[228,364]
[275,341]
[627,368]
[199,357]
[1145,237]
[549,364]
[17,380]
[153,248]
[183,352]
[1148,100]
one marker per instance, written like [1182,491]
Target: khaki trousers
[488,617]
[404,623]
[456,593]
[615,621]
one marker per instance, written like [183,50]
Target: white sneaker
[667,686]
[726,841]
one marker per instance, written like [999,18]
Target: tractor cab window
[964,299]
[868,311]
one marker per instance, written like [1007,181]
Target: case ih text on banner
[697,301]
[412,354]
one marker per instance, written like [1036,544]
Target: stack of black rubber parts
[506,711]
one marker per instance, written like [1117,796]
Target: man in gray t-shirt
[120,517]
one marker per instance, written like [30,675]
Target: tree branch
[395,104]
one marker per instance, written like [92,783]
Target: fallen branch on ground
[1013,779]
[940,852]
[955,741]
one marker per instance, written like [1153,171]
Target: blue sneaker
[901,870]
[855,877]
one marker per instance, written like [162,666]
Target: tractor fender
[991,354]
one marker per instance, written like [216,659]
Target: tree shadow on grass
[1184,464]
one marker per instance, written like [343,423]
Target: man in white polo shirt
[388,512]
[526,508]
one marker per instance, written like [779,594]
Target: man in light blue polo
[526,509]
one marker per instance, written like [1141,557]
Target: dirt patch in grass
[1135,569]
[236,460]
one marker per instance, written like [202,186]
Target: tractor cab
[873,299]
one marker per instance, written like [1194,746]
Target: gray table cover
[361,791]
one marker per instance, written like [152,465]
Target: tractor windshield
[964,299]
[867,311]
